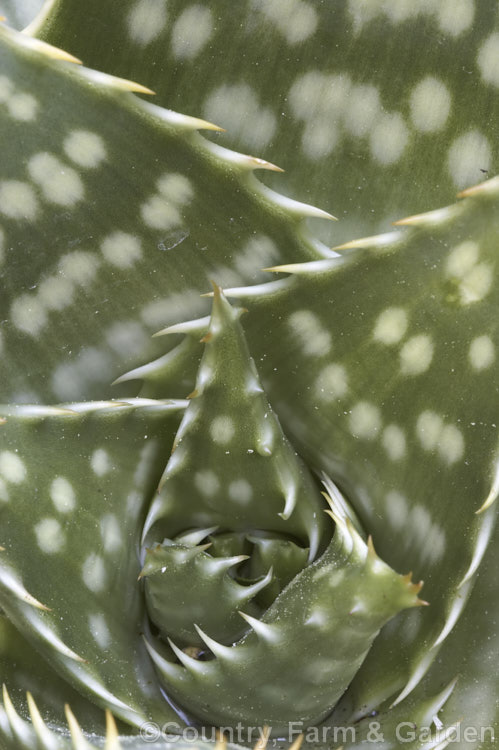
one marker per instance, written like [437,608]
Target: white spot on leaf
[207,482]
[18,200]
[390,326]
[238,109]
[63,495]
[462,259]
[85,148]
[222,430]
[430,103]
[296,20]
[176,188]
[389,138]
[22,107]
[191,32]
[28,314]
[331,383]
[80,267]
[363,109]
[477,284]
[240,491]
[313,337]
[100,462]
[435,435]
[468,154]
[481,353]
[159,213]
[416,355]
[100,631]
[488,60]
[59,183]
[56,292]
[428,428]
[49,536]
[365,420]
[394,442]
[455,16]
[121,249]
[93,573]
[111,533]
[146,21]
[451,444]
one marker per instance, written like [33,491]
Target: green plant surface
[22,668]
[344,598]
[134,531]
[20,13]
[114,190]
[67,598]
[395,443]
[376,108]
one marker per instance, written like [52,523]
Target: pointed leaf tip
[264,739]
[112,742]
[298,743]
[370,547]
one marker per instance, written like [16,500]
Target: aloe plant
[229,525]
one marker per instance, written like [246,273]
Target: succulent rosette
[222,532]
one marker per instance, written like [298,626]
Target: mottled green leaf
[376,108]
[68,573]
[114,215]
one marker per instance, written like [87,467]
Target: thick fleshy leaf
[230,427]
[19,734]
[22,668]
[379,416]
[375,108]
[327,618]
[401,393]
[114,215]
[397,129]
[231,470]
[68,573]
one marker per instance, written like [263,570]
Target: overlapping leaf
[114,214]
[382,367]
[376,108]
[68,572]
[418,458]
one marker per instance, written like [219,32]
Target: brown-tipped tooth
[488,186]
[263,164]
[75,729]
[428,218]
[264,739]
[376,240]
[126,85]
[297,743]
[48,49]
[370,547]
[310,267]
[111,732]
